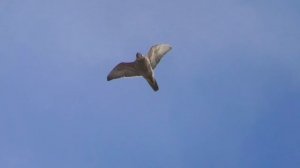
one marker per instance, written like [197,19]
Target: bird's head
[138,55]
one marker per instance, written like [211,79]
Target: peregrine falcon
[142,66]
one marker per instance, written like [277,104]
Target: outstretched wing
[123,70]
[157,52]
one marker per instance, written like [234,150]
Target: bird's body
[142,66]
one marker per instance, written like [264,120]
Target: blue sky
[229,90]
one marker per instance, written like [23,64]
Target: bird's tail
[152,82]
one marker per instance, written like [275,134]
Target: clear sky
[229,90]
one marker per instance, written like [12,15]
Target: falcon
[142,66]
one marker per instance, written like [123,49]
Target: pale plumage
[142,66]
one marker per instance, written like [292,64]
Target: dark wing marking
[157,52]
[123,70]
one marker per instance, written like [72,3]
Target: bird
[143,65]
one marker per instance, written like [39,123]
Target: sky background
[229,90]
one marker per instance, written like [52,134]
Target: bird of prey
[142,66]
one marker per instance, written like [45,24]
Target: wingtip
[167,44]
[170,47]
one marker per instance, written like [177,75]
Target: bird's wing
[123,70]
[156,52]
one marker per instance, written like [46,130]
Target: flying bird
[142,66]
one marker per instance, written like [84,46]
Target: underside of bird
[142,66]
